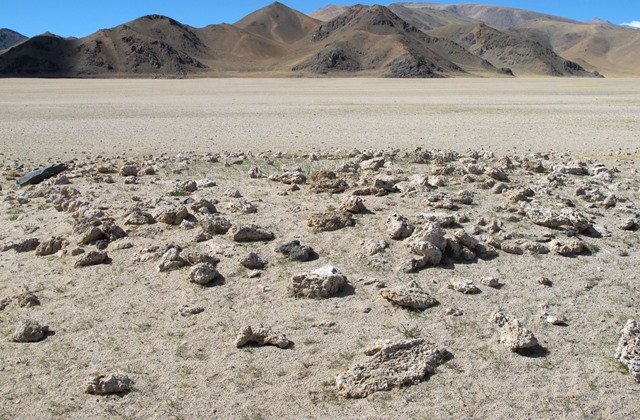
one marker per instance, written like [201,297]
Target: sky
[83,17]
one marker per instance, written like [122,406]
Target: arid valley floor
[407,187]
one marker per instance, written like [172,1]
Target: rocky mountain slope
[403,40]
[9,38]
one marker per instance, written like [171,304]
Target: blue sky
[80,18]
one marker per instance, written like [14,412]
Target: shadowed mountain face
[404,40]
[9,38]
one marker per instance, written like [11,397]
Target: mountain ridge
[402,40]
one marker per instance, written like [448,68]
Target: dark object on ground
[40,174]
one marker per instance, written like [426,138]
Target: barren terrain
[532,182]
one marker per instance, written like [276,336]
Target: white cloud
[634,24]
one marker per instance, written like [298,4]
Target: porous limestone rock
[262,336]
[242,205]
[463,286]
[203,274]
[398,227]
[171,215]
[628,351]
[570,246]
[373,247]
[327,181]
[352,204]
[251,233]
[29,330]
[320,283]
[393,365]
[410,296]
[215,225]
[512,334]
[92,258]
[253,262]
[108,384]
[51,246]
[171,260]
[331,220]
[296,252]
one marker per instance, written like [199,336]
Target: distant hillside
[403,40]
[521,55]
[9,38]
[496,16]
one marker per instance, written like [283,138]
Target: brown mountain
[329,12]
[610,49]
[9,38]
[279,23]
[412,40]
[375,41]
[517,53]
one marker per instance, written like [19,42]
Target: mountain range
[401,40]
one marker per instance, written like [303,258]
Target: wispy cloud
[633,24]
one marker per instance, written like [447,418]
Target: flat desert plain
[476,241]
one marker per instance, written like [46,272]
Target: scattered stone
[242,205]
[496,173]
[197,257]
[554,320]
[410,296]
[215,225]
[551,218]
[629,224]
[545,281]
[103,384]
[232,193]
[253,262]
[570,246]
[352,204]
[251,233]
[204,206]
[373,247]
[320,283]
[331,220]
[262,336]
[293,177]
[186,310]
[28,299]
[255,172]
[464,286]
[442,219]
[393,365]
[512,247]
[138,218]
[476,246]
[51,246]
[398,227]
[297,252]
[372,164]
[171,215]
[453,312]
[92,258]
[189,186]
[490,281]
[512,334]
[29,330]
[203,274]
[129,170]
[327,182]
[4,302]
[387,183]
[610,201]
[171,260]
[628,351]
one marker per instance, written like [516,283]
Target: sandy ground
[65,118]
[123,317]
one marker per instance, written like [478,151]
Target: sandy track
[61,119]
